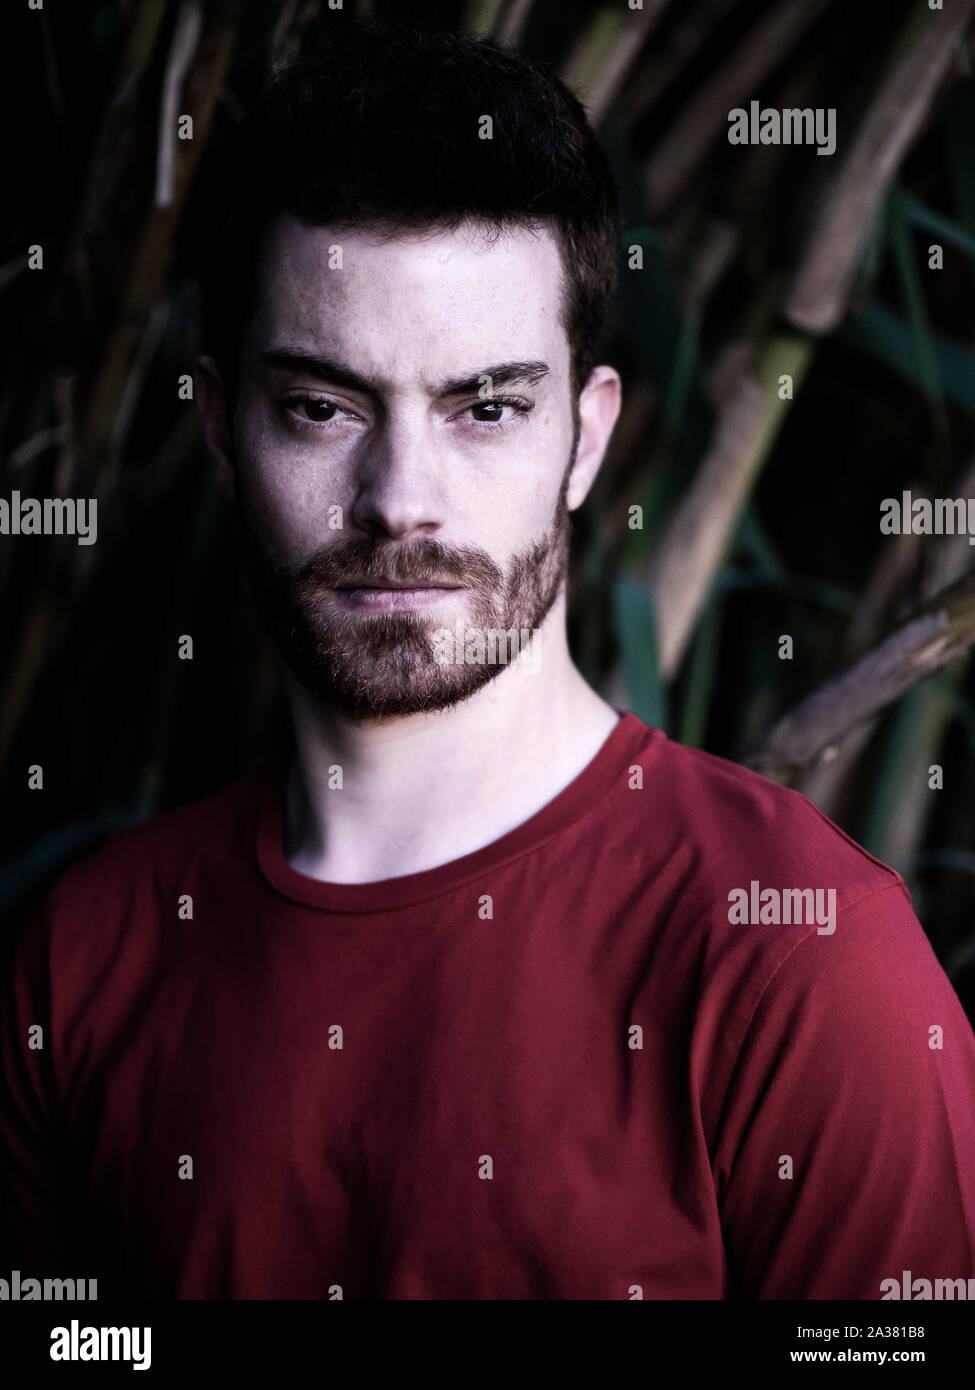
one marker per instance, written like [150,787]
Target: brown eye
[493,407]
[316,409]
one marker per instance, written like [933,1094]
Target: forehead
[391,303]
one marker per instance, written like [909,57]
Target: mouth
[402,585]
[395,595]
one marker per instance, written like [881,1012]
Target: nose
[400,481]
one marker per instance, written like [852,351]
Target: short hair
[378,127]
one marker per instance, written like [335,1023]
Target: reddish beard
[383,665]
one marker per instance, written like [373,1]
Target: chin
[362,695]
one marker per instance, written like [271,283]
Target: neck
[424,789]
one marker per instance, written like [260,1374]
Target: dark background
[94,344]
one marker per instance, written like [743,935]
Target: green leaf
[702,677]
[920,215]
[881,333]
[752,538]
[946,683]
[925,356]
[684,377]
[907,745]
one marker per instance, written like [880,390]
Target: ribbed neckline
[600,775]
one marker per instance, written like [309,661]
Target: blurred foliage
[884,402]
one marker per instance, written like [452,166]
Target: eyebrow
[328,370]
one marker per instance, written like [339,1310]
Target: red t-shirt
[585,1061]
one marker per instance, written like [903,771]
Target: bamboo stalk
[916,739]
[149,263]
[481,16]
[105,169]
[189,25]
[280,42]
[694,543]
[512,26]
[838,234]
[683,567]
[687,141]
[690,30]
[605,52]
[591,49]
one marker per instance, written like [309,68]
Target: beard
[376,666]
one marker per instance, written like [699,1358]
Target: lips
[399,584]
[395,596]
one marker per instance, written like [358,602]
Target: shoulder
[110,888]
[737,827]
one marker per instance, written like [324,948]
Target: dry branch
[938,634]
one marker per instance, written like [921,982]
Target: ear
[599,408]
[211,399]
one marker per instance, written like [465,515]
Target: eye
[490,413]
[312,408]
[316,409]
[314,413]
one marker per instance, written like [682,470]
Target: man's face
[404,418]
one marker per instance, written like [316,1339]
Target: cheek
[521,483]
[284,490]
[296,470]
[506,522]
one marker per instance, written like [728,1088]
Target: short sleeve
[845,1153]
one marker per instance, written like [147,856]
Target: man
[493,992]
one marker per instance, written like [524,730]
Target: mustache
[420,560]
